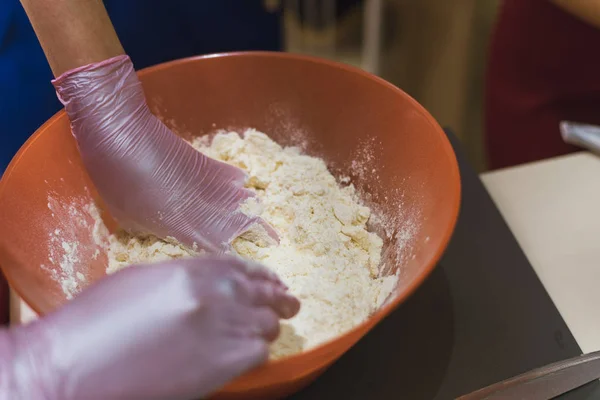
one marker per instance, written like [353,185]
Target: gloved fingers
[269,229]
[246,194]
[280,301]
[261,293]
[228,172]
[255,225]
[253,353]
[258,348]
[257,271]
[244,321]
[247,270]
[265,323]
[226,183]
[265,294]
[241,195]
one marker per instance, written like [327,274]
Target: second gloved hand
[176,330]
[151,180]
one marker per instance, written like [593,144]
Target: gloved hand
[177,330]
[151,180]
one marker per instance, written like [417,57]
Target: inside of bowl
[366,130]
[48,221]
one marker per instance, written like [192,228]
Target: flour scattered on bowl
[326,255]
[79,234]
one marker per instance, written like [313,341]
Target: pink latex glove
[151,180]
[178,330]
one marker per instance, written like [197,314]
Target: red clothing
[544,66]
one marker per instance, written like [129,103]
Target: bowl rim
[383,311]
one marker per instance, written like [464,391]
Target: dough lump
[326,255]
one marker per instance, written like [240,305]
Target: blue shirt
[152,31]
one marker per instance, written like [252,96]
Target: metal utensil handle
[583,135]
[543,383]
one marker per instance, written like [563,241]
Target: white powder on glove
[326,255]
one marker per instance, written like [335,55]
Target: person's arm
[150,179]
[587,10]
[73,33]
[176,330]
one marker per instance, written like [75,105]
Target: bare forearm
[587,10]
[73,32]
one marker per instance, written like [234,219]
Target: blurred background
[434,50]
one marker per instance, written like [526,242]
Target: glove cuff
[101,98]
[82,88]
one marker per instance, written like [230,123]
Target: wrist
[78,83]
[102,99]
[104,64]
[25,369]
[95,89]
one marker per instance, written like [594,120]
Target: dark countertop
[482,316]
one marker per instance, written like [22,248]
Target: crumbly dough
[125,249]
[326,255]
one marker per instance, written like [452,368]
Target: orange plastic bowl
[361,125]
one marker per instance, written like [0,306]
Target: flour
[326,255]
[76,237]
